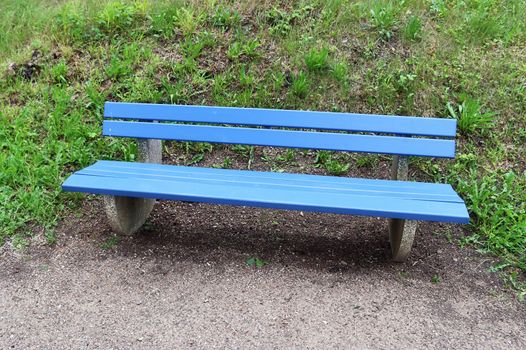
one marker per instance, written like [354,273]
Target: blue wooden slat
[252,179]
[269,198]
[284,118]
[262,184]
[283,138]
[227,178]
[432,188]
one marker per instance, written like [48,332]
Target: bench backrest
[408,136]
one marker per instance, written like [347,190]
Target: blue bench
[130,188]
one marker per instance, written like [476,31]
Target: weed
[196,159]
[144,89]
[163,24]
[469,117]
[300,85]
[413,29]
[279,79]
[449,236]
[19,242]
[117,68]
[176,92]
[225,18]
[192,48]
[51,237]
[404,81]
[71,23]
[332,165]
[368,161]
[246,152]
[336,167]
[235,50]
[238,49]
[438,7]
[383,18]
[110,242]
[317,60]
[122,62]
[256,262]
[435,279]
[250,47]
[322,157]
[340,72]
[482,25]
[287,157]
[514,281]
[227,163]
[246,79]
[281,22]
[196,150]
[498,204]
[59,73]
[117,17]
[187,20]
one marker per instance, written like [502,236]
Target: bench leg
[401,232]
[401,235]
[127,214]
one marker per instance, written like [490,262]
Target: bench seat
[330,194]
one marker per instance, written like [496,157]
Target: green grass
[317,60]
[256,262]
[110,242]
[470,118]
[60,60]
[413,29]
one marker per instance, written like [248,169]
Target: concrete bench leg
[127,214]
[401,232]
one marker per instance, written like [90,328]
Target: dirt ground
[183,282]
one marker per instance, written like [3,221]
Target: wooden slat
[228,177]
[283,138]
[284,118]
[336,180]
[278,197]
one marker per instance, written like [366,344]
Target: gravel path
[183,283]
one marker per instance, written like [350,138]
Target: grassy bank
[453,59]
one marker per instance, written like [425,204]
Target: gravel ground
[183,282]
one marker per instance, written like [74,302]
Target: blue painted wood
[281,197]
[385,188]
[284,118]
[407,146]
[432,188]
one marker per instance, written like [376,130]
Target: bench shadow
[223,235]
[179,235]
